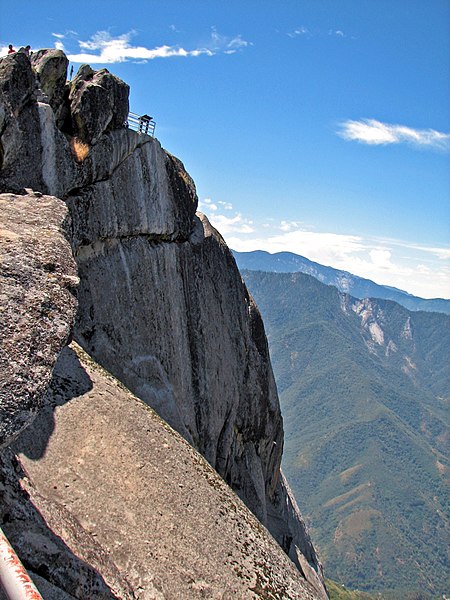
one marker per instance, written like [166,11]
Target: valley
[363,389]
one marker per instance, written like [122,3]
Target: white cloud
[228,225]
[289,225]
[225,205]
[416,268]
[206,205]
[440,253]
[381,257]
[306,32]
[105,49]
[226,44]
[299,31]
[336,32]
[373,132]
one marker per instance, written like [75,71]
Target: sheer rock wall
[161,303]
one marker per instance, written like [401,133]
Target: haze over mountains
[287,262]
[364,392]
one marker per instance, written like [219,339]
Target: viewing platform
[141,124]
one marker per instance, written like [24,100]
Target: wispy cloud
[300,31]
[442,253]
[290,225]
[376,133]
[226,224]
[308,32]
[206,205]
[226,44]
[103,48]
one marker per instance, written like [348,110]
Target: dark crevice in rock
[152,239]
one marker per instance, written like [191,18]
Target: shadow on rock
[69,380]
[57,571]
[34,523]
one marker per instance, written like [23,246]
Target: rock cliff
[161,306]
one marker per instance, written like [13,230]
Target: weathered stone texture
[64,560]
[170,524]
[210,378]
[38,276]
[50,66]
[20,144]
[98,103]
[162,304]
[148,193]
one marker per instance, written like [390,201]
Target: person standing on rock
[11,49]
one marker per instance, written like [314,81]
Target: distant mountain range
[364,389]
[287,262]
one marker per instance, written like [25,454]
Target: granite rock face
[20,127]
[162,305]
[38,277]
[50,67]
[63,559]
[98,103]
[172,527]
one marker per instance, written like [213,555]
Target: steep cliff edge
[170,525]
[161,303]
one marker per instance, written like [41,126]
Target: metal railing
[14,580]
[141,123]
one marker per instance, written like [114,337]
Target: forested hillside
[364,393]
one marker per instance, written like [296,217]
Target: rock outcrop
[37,276]
[50,67]
[171,526]
[161,303]
[98,103]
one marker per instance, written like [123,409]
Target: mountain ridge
[364,393]
[360,287]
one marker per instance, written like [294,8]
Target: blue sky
[313,126]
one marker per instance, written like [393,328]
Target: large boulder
[37,148]
[98,103]
[38,276]
[17,83]
[50,66]
[20,143]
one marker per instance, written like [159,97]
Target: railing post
[14,580]
[141,123]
